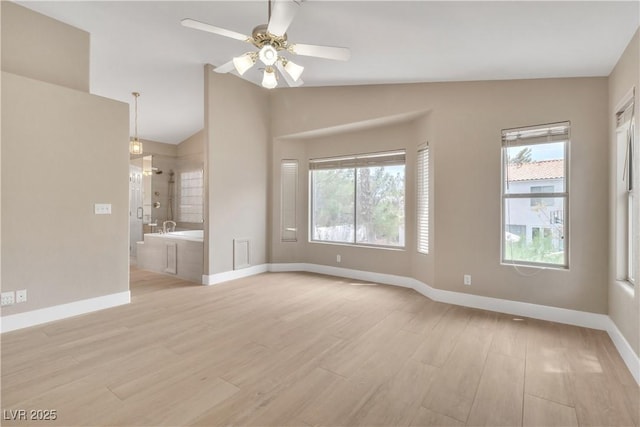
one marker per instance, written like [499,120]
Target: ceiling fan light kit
[244,62]
[270,40]
[294,70]
[269,79]
[268,55]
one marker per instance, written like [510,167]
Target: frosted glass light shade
[268,55]
[135,146]
[243,63]
[294,70]
[269,78]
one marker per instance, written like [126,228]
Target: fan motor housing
[260,37]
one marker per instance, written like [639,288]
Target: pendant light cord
[136,95]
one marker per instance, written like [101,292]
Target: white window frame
[422,200]
[387,158]
[526,136]
[626,242]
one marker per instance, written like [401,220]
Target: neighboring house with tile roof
[535,217]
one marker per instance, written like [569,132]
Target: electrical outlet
[338,258]
[8,298]
[467,279]
[21,296]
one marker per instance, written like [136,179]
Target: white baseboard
[517,308]
[630,358]
[13,322]
[214,279]
[535,311]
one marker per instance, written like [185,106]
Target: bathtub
[179,253]
[195,235]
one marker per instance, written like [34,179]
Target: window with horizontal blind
[535,195]
[422,189]
[191,197]
[289,193]
[359,199]
[626,193]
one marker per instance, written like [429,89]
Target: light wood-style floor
[302,349]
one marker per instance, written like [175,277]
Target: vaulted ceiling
[141,46]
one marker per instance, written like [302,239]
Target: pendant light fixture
[135,146]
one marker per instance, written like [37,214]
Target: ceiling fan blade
[287,77]
[192,23]
[327,52]
[282,15]
[225,68]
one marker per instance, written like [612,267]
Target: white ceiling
[141,46]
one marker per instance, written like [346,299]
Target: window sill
[627,287]
[361,246]
[535,266]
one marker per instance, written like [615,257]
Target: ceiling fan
[271,41]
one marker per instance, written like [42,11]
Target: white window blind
[625,119]
[392,158]
[289,192]
[422,174]
[556,132]
[190,206]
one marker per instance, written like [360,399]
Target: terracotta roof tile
[546,169]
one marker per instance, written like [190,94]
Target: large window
[190,202]
[359,199]
[535,195]
[626,213]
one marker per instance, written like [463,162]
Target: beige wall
[157,148]
[52,175]
[63,151]
[36,46]
[624,301]
[192,147]
[463,128]
[374,138]
[237,135]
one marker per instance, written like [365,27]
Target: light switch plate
[8,298]
[102,209]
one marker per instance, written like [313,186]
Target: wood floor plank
[428,418]
[160,378]
[337,405]
[397,401]
[443,337]
[287,406]
[427,318]
[453,389]
[498,400]
[305,349]
[541,412]
[357,351]
[598,400]
[547,366]
[198,393]
[510,337]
